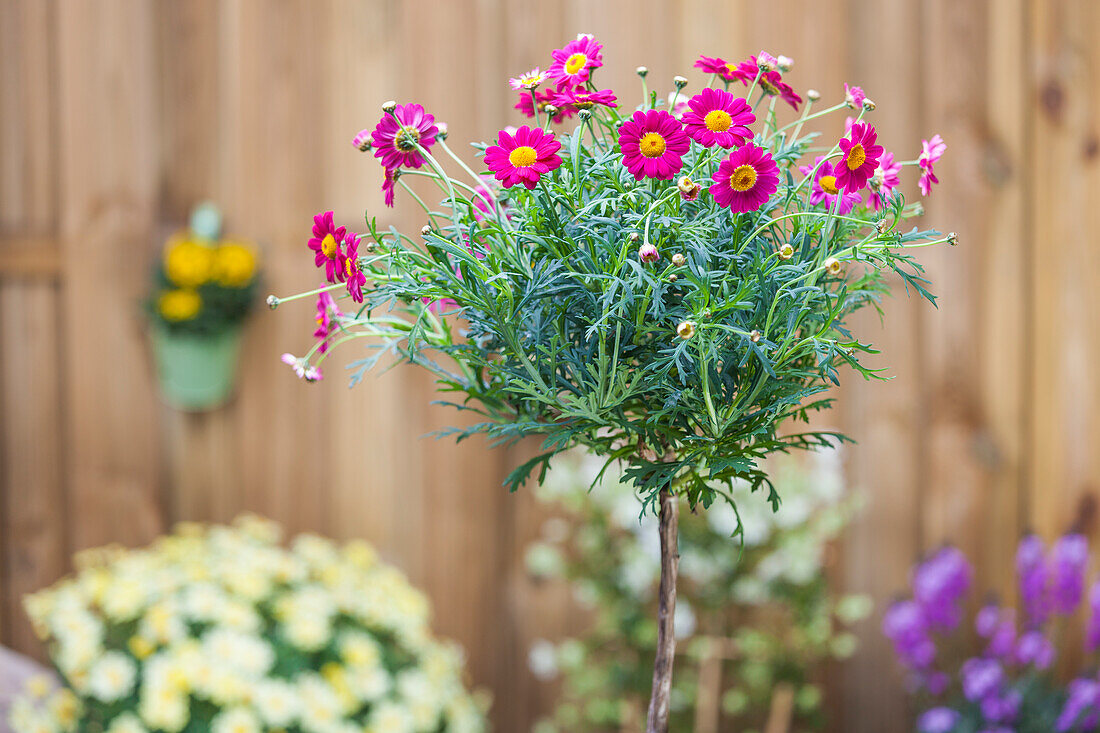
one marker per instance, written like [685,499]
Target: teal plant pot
[196,373]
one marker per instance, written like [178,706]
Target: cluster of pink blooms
[653,144]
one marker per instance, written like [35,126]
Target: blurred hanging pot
[196,371]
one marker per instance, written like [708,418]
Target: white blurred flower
[542,660]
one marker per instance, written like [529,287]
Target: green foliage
[560,330]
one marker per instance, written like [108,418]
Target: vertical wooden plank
[1064,465]
[32,505]
[108,155]
[973,346]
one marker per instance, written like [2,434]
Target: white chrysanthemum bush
[222,629]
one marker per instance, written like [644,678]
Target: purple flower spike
[981,678]
[937,720]
[1071,556]
[938,585]
[1092,633]
[1031,572]
[1084,695]
[1035,649]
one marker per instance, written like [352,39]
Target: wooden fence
[117,115]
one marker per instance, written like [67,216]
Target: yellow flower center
[652,145]
[407,138]
[731,68]
[575,63]
[349,263]
[743,178]
[328,246]
[828,185]
[857,156]
[718,120]
[523,156]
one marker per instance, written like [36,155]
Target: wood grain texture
[117,116]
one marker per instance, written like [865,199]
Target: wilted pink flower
[304,371]
[327,319]
[398,137]
[653,143]
[523,157]
[886,179]
[717,117]
[854,96]
[931,151]
[648,253]
[581,98]
[362,140]
[354,274]
[746,179]
[860,157]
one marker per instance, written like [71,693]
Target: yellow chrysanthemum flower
[179,305]
[188,263]
[234,264]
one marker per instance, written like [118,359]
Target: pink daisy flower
[530,80]
[397,136]
[825,189]
[581,98]
[355,277]
[327,323]
[770,81]
[886,179]
[573,63]
[717,117]
[854,96]
[715,65]
[523,157]
[860,157]
[326,245]
[931,151]
[653,143]
[746,179]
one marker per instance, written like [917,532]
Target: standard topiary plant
[595,294]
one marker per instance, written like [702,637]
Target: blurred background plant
[221,629]
[764,614]
[1012,684]
[203,284]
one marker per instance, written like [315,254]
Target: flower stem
[657,719]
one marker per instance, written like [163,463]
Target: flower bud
[754,336]
[641,71]
[868,104]
[785,63]
[633,236]
[272,302]
[881,225]
[813,95]
[426,229]
[766,62]
[679,81]
[678,260]
[444,130]
[550,110]
[952,238]
[672,278]
[786,251]
[833,266]
[685,330]
[689,189]
[389,106]
[585,114]
[648,253]
[362,140]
